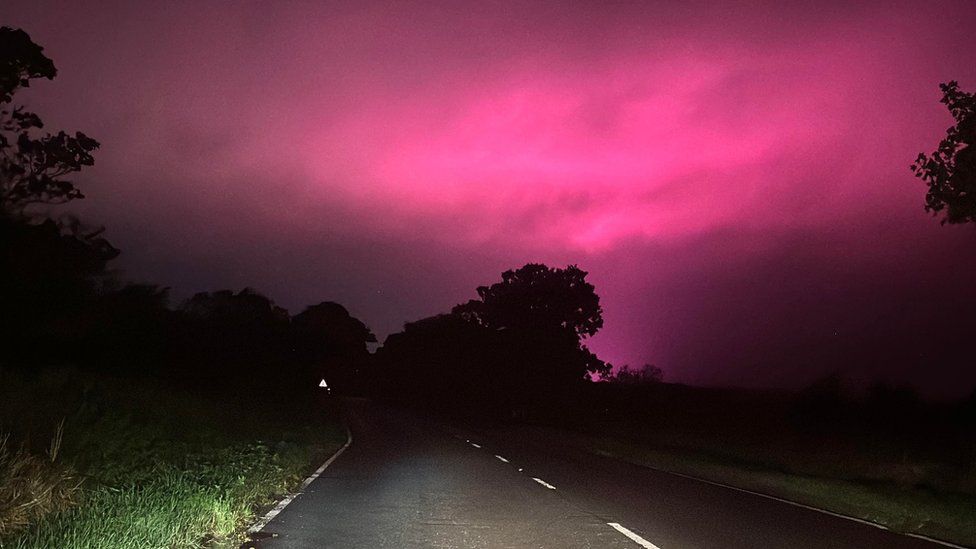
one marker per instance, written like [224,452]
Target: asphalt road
[408,482]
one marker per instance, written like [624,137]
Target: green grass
[160,468]
[902,507]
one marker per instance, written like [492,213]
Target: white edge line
[500,458]
[260,524]
[544,483]
[933,540]
[633,537]
[811,508]
[475,445]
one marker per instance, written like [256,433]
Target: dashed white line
[500,458]
[633,537]
[544,483]
[475,445]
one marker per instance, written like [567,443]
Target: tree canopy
[61,304]
[329,342]
[20,61]
[546,312]
[50,270]
[33,165]
[516,350]
[327,329]
[536,296]
[950,171]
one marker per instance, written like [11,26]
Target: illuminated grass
[33,486]
[166,471]
[178,507]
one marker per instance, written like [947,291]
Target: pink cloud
[360,151]
[635,146]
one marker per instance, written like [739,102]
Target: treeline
[61,304]
[516,351]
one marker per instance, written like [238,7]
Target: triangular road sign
[323,384]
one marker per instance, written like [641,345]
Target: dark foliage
[33,165]
[328,341]
[637,376]
[545,312]
[226,338]
[446,363]
[20,61]
[59,303]
[516,351]
[127,330]
[950,171]
[243,341]
[537,297]
[50,273]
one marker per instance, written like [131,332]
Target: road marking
[501,458]
[259,525]
[520,469]
[781,500]
[475,445]
[544,483]
[633,537]
[933,540]
[809,507]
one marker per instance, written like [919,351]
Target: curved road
[406,482]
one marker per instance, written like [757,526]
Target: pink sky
[734,179]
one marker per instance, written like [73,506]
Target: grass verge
[142,466]
[944,515]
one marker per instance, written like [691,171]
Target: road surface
[406,482]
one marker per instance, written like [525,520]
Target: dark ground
[411,482]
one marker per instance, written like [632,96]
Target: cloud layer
[734,179]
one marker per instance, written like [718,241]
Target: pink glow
[394,157]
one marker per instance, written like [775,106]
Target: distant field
[908,466]
[945,515]
[103,463]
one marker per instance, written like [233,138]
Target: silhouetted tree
[515,351]
[49,270]
[49,273]
[444,362]
[127,329]
[546,312]
[538,296]
[331,343]
[950,171]
[633,376]
[33,166]
[239,338]
[20,61]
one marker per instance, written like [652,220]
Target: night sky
[734,179]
